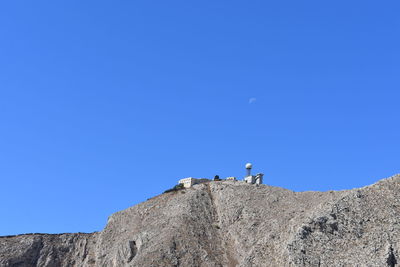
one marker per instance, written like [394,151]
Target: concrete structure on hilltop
[252,179]
[190,181]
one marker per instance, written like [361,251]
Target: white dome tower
[248,168]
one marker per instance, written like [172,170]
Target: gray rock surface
[227,223]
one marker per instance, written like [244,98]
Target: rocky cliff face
[232,224]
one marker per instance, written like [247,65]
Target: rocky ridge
[227,223]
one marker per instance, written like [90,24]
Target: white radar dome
[249,166]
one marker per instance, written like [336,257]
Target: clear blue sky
[104,104]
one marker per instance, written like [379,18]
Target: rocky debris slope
[228,223]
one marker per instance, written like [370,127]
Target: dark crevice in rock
[132,250]
[391,259]
[85,250]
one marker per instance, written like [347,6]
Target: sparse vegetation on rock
[175,188]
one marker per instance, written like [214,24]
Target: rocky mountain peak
[231,223]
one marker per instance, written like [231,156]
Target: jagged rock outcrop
[47,250]
[227,223]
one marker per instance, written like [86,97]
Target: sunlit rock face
[231,223]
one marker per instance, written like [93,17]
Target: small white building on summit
[190,181]
[250,179]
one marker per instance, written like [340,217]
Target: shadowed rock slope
[232,224]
